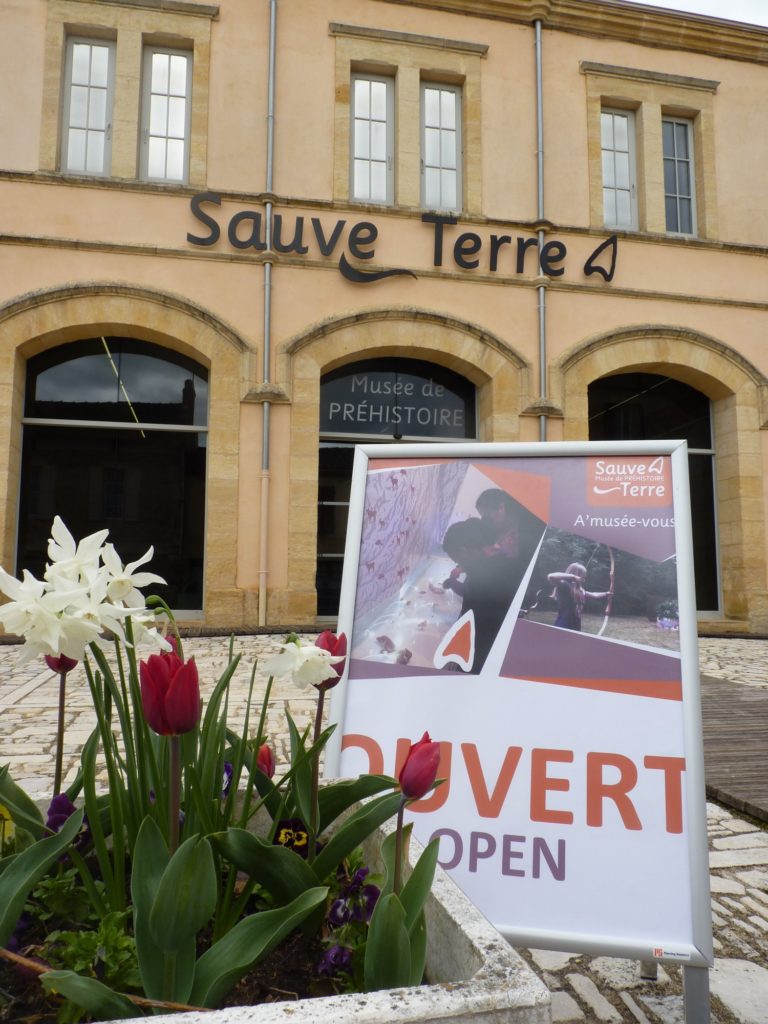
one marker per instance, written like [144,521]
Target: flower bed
[159,893]
[472,975]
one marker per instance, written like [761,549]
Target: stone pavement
[584,989]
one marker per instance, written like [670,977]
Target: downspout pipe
[541,290]
[267,406]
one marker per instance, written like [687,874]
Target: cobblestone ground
[584,989]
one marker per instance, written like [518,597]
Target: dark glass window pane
[683,179]
[148,490]
[686,216]
[397,398]
[681,141]
[703,516]
[328,583]
[646,407]
[670,204]
[668,138]
[128,380]
[384,399]
[670,181]
[335,471]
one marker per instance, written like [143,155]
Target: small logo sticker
[659,953]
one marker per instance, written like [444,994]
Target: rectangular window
[372,145]
[87,107]
[617,131]
[677,143]
[166,109]
[441,147]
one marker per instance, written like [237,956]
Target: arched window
[374,400]
[645,406]
[115,433]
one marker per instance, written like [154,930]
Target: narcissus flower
[306,664]
[170,693]
[265,761]
[85,591]
[337,647]
[418,774]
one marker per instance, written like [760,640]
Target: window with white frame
[372,139]
[617,132]
[166,110]
[441,147]
[87,106]
[677,146]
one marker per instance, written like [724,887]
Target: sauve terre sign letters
[468,250]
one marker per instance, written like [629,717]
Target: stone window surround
[502,378]
[652,95]
[409,59]
[134,25]
[739,396]
[44,320]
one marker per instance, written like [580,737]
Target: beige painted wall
[77,252]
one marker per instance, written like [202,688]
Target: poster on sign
[531,607]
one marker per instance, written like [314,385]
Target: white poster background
[565,884]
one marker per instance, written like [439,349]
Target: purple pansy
[335,960]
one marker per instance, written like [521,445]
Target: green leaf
[89,994]
[22,809]
[254,937]
[186,895]
[388,949]
[337,797]
[352,833]
[27,868]
[150,860]
[418,937]
[281,871]
[419,884]
[301,790]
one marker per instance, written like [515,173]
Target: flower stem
[312,842]
[398,880]
[60,734]
[174,805]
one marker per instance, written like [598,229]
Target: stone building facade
[238,236]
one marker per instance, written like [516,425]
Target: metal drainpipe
[267,406]
[542,291]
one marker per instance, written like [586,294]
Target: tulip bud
[170,693]
[418,774]
[60,664]
[265,761]
[337,648]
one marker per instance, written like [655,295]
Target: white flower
[145,632]
[35,613]
[124,580]
[78,598]
[306,664]
[73,561]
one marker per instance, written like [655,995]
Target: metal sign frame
[694,951]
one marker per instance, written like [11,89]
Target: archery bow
[609,602]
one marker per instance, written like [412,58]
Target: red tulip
[337,648]
[60,664]
[265,761]
[170,693]
[418,774]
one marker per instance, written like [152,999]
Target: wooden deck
[736,745]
